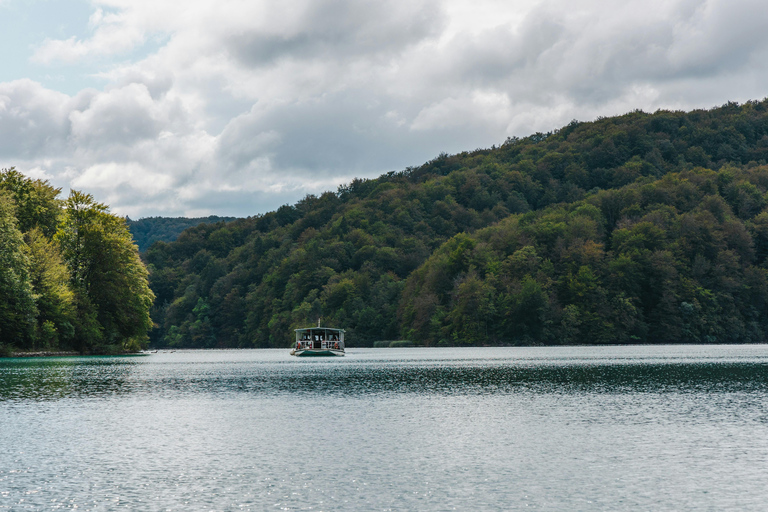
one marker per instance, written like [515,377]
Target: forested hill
[149,230]
[639,228]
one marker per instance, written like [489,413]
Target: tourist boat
[319,341]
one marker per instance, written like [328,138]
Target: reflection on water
[605,428]
[52,378]
[382,371]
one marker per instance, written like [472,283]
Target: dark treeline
[70,276]
[149,230]
[639,228]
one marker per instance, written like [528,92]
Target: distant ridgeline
[149,230]
[70,276]
[642,228]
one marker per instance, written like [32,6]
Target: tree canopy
[70,277]
[148,230]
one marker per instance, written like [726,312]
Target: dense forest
[641,228]
[70,275]
[149,230]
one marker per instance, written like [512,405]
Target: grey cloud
[242,203]
[719,36]
[697,39]
[344,134]
[583,63]
[338,29]
[596,56]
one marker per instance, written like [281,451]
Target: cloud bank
[244,106]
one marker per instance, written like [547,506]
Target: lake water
[568,428]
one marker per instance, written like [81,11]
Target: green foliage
[74,279]
[36,201]
[638,228]
[17,304]
[49,277]
[108,278]
[149,230]
[662,275]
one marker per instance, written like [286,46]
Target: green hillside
[149,230]
[637,228]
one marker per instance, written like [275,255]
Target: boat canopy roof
[320,329]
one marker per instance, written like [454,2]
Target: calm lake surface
[568,428]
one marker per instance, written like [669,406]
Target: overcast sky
[234,107]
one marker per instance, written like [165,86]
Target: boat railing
[324,344]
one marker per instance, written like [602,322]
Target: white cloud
[245,105]
[33,120]
[122,116]
[108,176]
[112,33]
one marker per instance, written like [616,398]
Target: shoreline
[61,353]
[44,353]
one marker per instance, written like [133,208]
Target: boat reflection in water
[319,341]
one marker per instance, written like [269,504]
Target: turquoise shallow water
[567,428]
